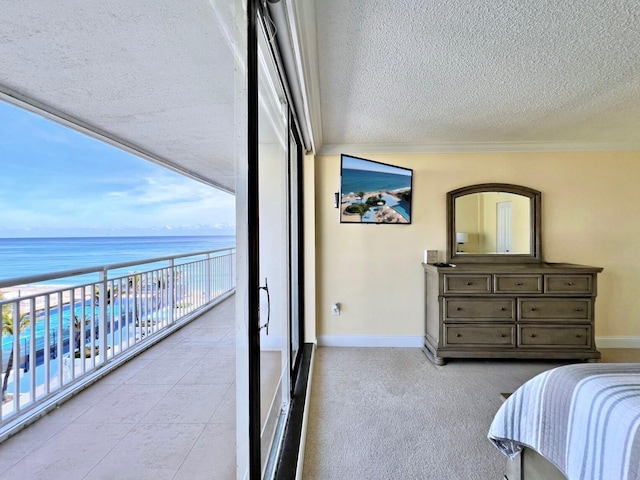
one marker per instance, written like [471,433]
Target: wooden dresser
[535,310]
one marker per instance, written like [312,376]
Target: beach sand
[38,293]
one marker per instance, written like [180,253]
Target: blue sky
[56,182]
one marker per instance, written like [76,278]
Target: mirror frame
[535,197]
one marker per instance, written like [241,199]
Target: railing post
[232,271]
[102,300]
[172,293]
[47,345]
[33,348]
[208,279]
[16,357]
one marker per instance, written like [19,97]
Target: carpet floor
[389,413]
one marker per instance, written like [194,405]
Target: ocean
[354,181]
[20,257]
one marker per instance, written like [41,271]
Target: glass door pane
[295,241]
[274,252]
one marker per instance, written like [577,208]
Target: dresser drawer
[460,335]
[518,284]
[555,308]
[467,283]
[578,284]
[552,336]
[479,309]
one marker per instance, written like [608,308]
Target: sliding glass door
[269,266]
[274,253]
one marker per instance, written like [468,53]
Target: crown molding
[476,147]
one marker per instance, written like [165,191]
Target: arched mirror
[493,222]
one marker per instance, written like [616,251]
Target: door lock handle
[266,324]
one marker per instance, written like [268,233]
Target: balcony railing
[57,341]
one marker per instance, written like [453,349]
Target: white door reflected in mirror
[494,223]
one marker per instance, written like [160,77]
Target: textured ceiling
[411,74]
[157,75]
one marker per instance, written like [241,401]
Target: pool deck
[169,413]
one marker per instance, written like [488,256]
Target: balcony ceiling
[155,75]
[456,75]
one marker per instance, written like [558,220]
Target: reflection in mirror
[494,223]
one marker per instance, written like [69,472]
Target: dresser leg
[435,359]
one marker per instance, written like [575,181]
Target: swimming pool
[118,315]
[399,206]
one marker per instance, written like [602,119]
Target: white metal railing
[56,338]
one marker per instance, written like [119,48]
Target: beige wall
[309,226]
[589,216]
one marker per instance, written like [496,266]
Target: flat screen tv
[374,192]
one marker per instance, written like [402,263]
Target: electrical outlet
[335,309]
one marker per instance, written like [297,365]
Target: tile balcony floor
[169,413]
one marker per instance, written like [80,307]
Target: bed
[582,419]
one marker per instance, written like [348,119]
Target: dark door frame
[253,242]
[254,11]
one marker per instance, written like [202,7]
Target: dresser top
[523,268]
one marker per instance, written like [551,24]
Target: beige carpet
[389,413]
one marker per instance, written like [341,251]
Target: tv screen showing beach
[373,192]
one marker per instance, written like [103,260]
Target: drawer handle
[502,309]
[578,309]
[503,335]
[458,308]
[578,335]
[533,335]
[468,283]
[519,284]
[569,284]
[458,334]
[533,309]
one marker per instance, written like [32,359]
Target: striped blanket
[582,418]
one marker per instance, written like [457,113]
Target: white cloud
[61,181]
[165,201]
